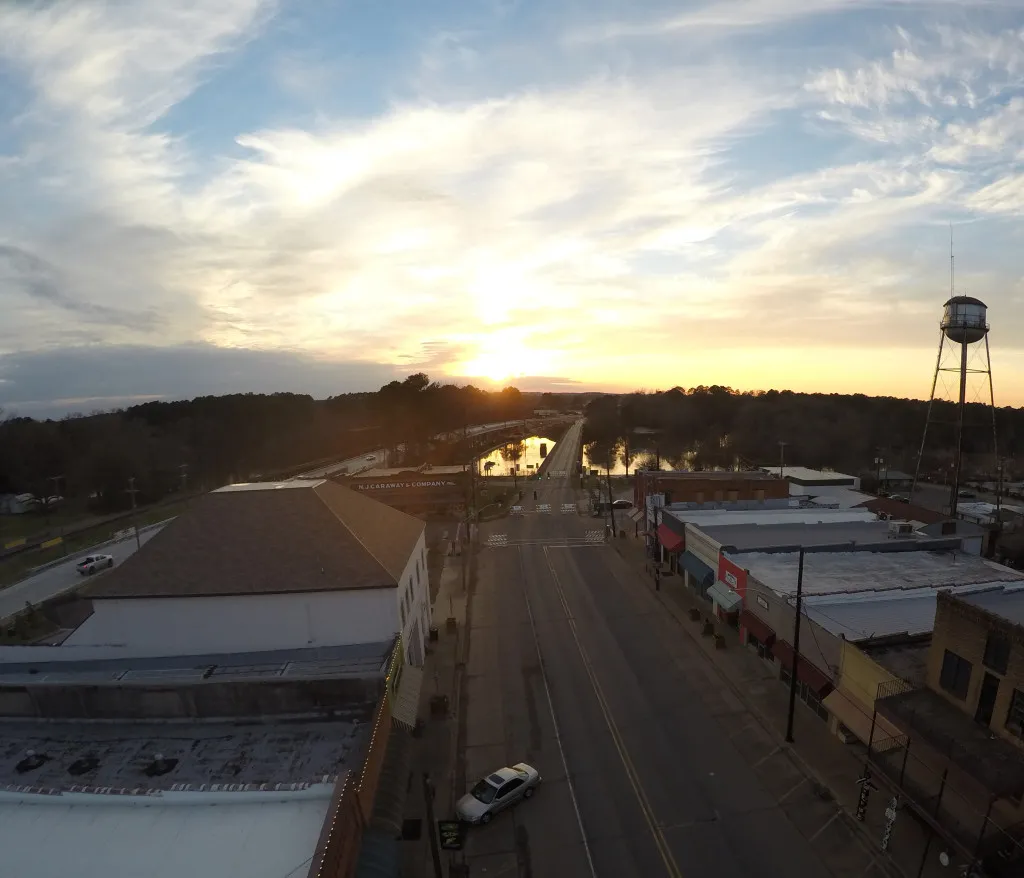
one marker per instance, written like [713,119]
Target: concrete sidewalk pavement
[814,771]
[436,748]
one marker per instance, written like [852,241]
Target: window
[806,694]
[763,651]
[510,787]
[997,653]
[734,495]
[759,495]
[955,676]
[1015,715]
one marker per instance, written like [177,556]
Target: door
[987,699]
[509,793]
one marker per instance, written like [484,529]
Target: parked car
[622,504]
[899,498]
[497,791]
[92,563]
[967,495]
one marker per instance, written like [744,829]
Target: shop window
[997,653]
[955,676]
[762,651]
[1015,715]
[734,495]
[807,695]
[759,495]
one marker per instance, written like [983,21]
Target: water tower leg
[928,415]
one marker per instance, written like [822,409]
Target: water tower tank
[965,319]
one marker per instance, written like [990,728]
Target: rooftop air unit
[900,529]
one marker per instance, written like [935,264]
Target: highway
[575,668]
[61,577]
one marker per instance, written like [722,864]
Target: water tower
[964,325]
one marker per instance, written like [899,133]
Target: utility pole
[796,649]
[878,475]
[428,798]
[131,489]
[782,457]
[183,471]
[56,493]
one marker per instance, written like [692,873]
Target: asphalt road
[574,667]
[62,577]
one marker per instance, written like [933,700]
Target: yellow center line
[645,806]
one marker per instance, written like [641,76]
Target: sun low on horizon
[758,195]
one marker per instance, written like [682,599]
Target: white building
[268,566]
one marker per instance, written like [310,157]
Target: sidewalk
[829,765]
[435,750]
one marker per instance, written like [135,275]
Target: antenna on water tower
[964,323]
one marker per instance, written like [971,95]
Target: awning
[405,704]
[757,627]
[807,673]
[856,716]
[725,597]
[697,569]
[670,539]
[638,515]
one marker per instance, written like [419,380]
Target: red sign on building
[733,576]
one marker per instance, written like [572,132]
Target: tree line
[200,444]
[718,427]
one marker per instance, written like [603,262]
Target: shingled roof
[267,538]
[900,510]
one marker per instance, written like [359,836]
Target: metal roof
[746,537]
[839,572]
[350,660]
[105,836]
[805,474]
[867,615]
[787,515]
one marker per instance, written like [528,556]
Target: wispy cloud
[538,194]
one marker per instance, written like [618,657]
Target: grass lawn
[19,566]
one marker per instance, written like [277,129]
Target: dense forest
[167,447]
[712,427]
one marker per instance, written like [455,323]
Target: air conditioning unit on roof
[900,528]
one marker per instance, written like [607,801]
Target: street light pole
[796,649]
[782,457]
[131,489]
[611,500]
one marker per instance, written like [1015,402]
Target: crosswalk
[569,508]
[496,540]
[557,474]
[590,538]
[544,508]
[594,536]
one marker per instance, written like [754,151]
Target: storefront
[696,574]
[813,685]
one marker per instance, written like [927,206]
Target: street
[61,577]
[575,668]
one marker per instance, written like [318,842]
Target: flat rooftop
[700,475]
[82,755]
[835,572]
[786,515]
[803,475]
[1007,603]
[44,665]
[907,660]
[746,537]
[117,837]
[866,615]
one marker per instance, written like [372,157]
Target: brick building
[960,762]
[708,487]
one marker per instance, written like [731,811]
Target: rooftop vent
[901,529]
[160,766]
[31,761]
[83,766]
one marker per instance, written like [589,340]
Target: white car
[92,563]
[370,458]
[497,791]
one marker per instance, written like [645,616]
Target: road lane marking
[554,719]
[627,762]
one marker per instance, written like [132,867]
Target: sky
[614,194]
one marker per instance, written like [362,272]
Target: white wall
[196,625]
[412,601]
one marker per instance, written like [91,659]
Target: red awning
[757,627]
[670,539]
[807,673]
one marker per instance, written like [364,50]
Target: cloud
[103,377]
[523,196]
